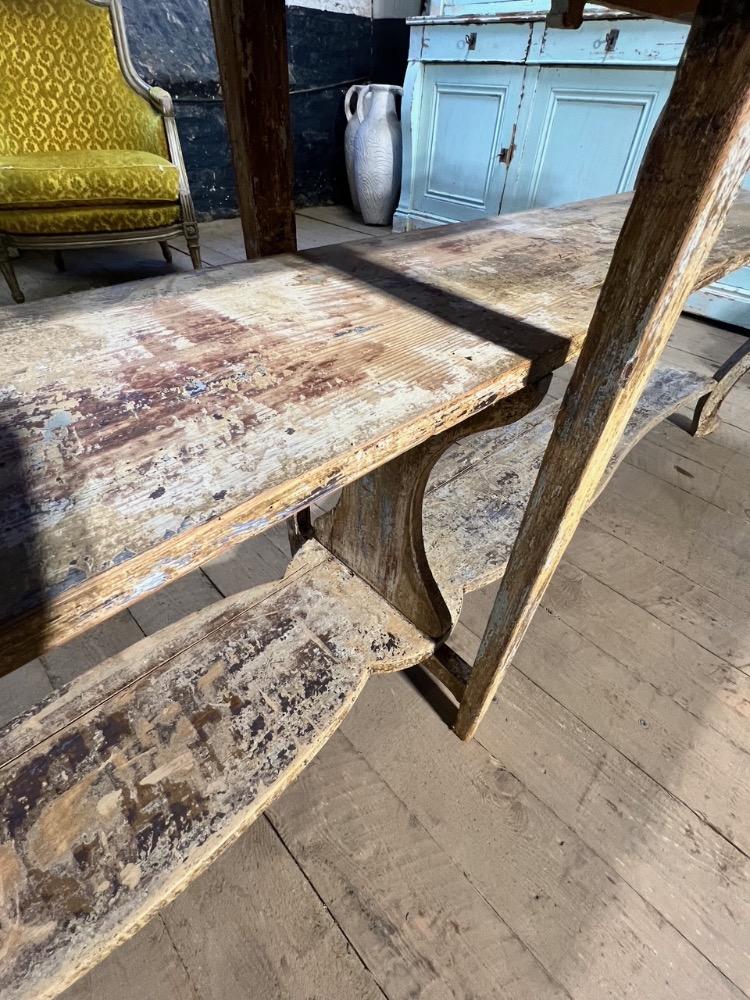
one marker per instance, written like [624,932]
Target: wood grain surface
[146,428]
[251,50]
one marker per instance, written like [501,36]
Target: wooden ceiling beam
[569,13]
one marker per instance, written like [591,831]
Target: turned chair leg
[192,238]
[195,255]
[166,250]
[8,272]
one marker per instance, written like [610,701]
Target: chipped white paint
[479,491]
[167,752]
[150,480]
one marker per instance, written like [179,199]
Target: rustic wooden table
[147,427]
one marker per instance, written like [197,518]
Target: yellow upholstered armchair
[89,153]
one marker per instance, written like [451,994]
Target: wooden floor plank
[668,663]
[181,598]
[686,870]
[708,545]
[408,909]
[592,932]
[148,966]
[22,689]
[693,477]
[256,561]
[682,604]
[725,452]
[252,927]
[736,407]
[664,727]
[90,648]
[705,340]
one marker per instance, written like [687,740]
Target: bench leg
[687,182]
[376,527]
[706,416]
[300,530]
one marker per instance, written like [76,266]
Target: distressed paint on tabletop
[117,791]
[145,428]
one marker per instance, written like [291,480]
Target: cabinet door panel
[468,114]
[584,134]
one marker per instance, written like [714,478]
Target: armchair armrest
[162,101]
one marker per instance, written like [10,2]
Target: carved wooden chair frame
[187,225]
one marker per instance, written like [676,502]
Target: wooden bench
[124,786]
[121,788]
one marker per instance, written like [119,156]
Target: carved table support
[376,527]
[706,416]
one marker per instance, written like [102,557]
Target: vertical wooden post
[692,170]
[252,53]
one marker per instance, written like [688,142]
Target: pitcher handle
[355,88]
[362,103]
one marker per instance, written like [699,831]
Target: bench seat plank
[478,491]
[144,428]
[119,791]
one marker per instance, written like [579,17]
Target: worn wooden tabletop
[145,427]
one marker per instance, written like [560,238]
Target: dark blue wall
[172,45]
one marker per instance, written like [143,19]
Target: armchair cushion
[99,219]
[87,177]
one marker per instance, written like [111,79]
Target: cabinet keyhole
[610,40]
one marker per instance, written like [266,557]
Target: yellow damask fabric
[103,219]
[80,178]
[61,86]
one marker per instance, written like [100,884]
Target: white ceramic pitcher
[377,155]
[352,127]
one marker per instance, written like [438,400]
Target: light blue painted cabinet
[470,113]
[501,114]
[583,133]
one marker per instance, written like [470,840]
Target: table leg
[376,527]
